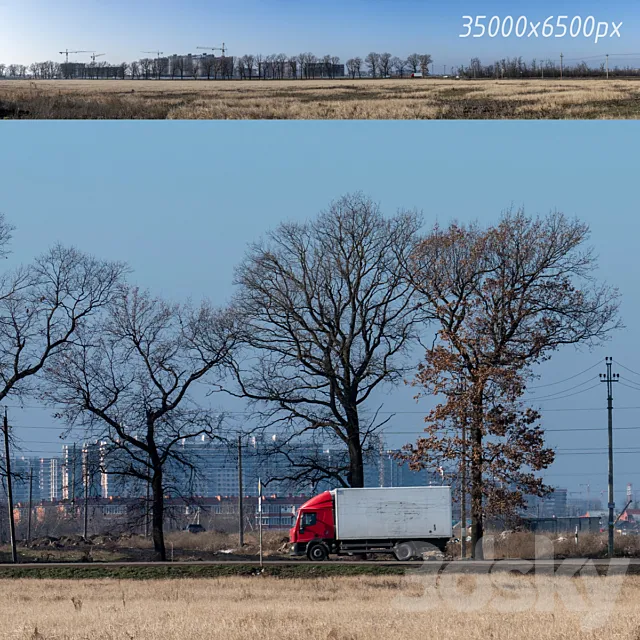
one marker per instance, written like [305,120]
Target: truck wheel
[317,552]
[404,551]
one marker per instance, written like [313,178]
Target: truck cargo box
[393,513]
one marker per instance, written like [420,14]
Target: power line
[577,450]
[551,395]
[389,430]
[552,398]
[635,373]
[577,375]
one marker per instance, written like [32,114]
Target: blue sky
[38,29]
[180,201]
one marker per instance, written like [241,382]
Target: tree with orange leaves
[503,299]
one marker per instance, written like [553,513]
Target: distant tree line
[519,68]
[277,66]
[305,66]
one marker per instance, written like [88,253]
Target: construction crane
[66,53]
[222,48]
[96,55]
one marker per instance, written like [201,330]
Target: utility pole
[463,493]
[240,496]
[86,496]
[73,481]
[463,475]
[588,485]
[146,504]
[607,66]
[260,519]
[30,504]
[561,65]
[12,522]
[610,378]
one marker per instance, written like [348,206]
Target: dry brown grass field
[345,608]
[321,99]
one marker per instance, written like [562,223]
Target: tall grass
[340,99]
[362,608]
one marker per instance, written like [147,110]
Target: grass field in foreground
[363,608]
[321,99]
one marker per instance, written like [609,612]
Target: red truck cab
[314,522]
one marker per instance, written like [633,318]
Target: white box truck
[403,521]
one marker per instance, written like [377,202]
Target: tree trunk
[158,516]
[477,525]
[356,464]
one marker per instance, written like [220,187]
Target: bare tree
[503,299]
[241,65]
[327,62]
[146,64]
[351,67]
[357,63]
[399,65]
[249,65]
[260,64]
[425,61]
[42,306]
[385,64]
[373,62]
[209,66]
[281,64]
[270,65]
[327,320]
[178,65]
[194,67]
[129,381]
[293,65]
[308,64]
[226,66]
[414,62]
[160,66]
